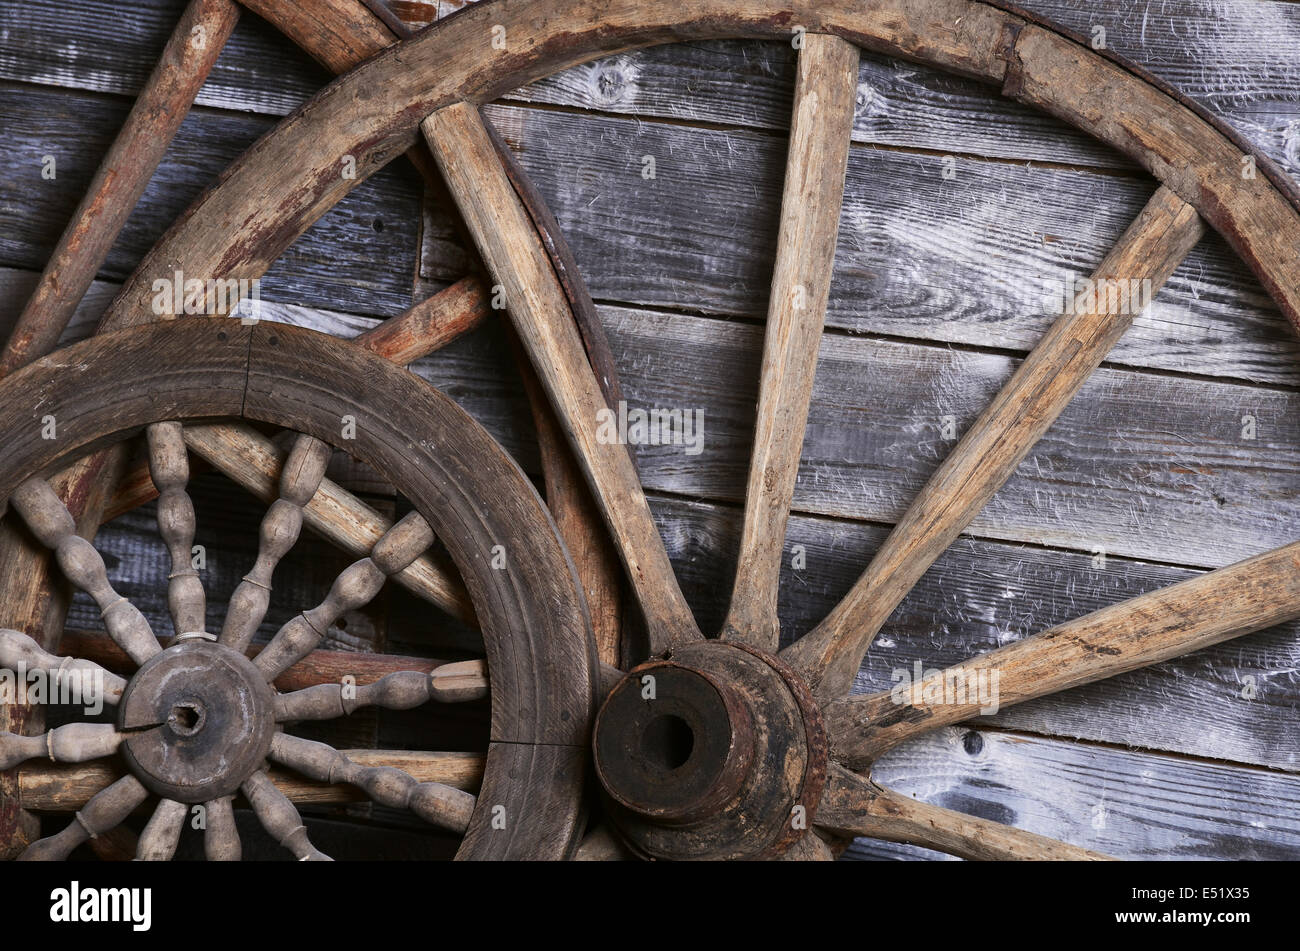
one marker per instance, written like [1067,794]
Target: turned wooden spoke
[441,805]
[318,667]
[220,837]
[854,805]
[51,787]
[121,178]
[418,331]
[169,467]
[279,817]
[18,652]
[254,462]
[53,525]
[1217,606]
[299,479]
[355,587]
[70,743]
[1149,251]
[105,811]
[820,131]
[162,834]
[401,690]
[540,313]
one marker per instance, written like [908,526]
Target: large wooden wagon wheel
[729,747]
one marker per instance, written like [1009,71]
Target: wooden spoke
[539,311]
[820,131]
[418,331]
[431,324]
[53,525]
[20,652]
[220,837]
[602,844]
[1217,606]
[1148,252]
[46,787]
[434,802]
[355,587]
[169,469]
[105,811]
[857,806]
[70,743]
[161,835]
[158,112]
[401,690]
[279,817]
[253,461]
[810,847]
[318,667]
[299,479]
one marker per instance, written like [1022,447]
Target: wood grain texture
[982,258]
[186,60]
[853,804]
[292,377]
[801,278]
[54,788]
[1223,59]
[1126,804]
[540,314]
[1243,598]
[999,440]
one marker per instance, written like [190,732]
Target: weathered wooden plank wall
[939,286]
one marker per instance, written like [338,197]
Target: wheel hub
[200,719]
[717,752]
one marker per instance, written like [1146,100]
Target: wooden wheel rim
[533,618]
[454,60]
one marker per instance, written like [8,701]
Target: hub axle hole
[667,742]
[186,718]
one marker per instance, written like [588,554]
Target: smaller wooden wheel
[201,721]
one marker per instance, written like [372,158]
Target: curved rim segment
[540,651]
[291,176]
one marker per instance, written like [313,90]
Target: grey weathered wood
[51,522]
[169,469]
[434,802]
[745,83]
[299,479]
[856,804]
[19,651]
[1252,595]
[982,595]
[1211,320]
[978,259]
[1001,437]
[540,314]
[796,311]
[279,817]
[163,831]
[104,812]
[1131,806]
[356,264]
[355,587]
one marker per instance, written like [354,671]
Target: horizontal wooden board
[1129,805]
[867,408]
[1238,66]
[982,595]
[359,257]
[976,260]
